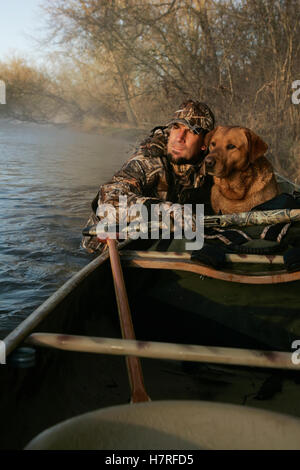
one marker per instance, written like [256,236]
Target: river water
[48,178]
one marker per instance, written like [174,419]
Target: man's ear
[256,146]
[208,136]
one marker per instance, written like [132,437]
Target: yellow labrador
[243,177]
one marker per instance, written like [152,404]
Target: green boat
[217,348]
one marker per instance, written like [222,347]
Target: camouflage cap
[195,115]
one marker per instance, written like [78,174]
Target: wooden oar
[157,350]
[138,391]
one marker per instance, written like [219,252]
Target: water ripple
[48,178]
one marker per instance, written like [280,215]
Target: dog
[243,177]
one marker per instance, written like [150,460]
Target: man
[166,168]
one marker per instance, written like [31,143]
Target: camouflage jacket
[149,177]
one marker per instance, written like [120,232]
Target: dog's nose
[210,162]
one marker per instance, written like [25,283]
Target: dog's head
[232,149]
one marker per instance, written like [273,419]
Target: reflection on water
[48,178]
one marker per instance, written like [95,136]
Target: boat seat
[173,425]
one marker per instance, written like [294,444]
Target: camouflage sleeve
[136,180]
[139,176]
[133,181]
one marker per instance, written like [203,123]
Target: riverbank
[124,132]
[118,130]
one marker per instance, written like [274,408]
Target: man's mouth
[177,149]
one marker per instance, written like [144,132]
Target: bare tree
[133,61]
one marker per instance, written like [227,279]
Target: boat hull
[65,384]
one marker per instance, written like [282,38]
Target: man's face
[183,145]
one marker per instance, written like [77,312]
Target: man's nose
[181,134]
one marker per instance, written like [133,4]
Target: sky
[18,20]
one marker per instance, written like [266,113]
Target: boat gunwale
[180,263]
[18,334]
[139,259]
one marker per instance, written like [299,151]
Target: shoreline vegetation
[124,131]
[120,68]
[127,133]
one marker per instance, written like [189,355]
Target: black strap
[248,250]
[292,259]
[212,255]
[282,201]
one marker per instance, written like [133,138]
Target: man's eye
[212,144]
[230,146]
[175,126]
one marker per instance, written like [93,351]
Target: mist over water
[48,178]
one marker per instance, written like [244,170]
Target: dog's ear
[209,135]
[257,147]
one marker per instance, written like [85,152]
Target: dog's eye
[212,144]
[230,146]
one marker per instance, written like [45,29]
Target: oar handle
[138,391]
